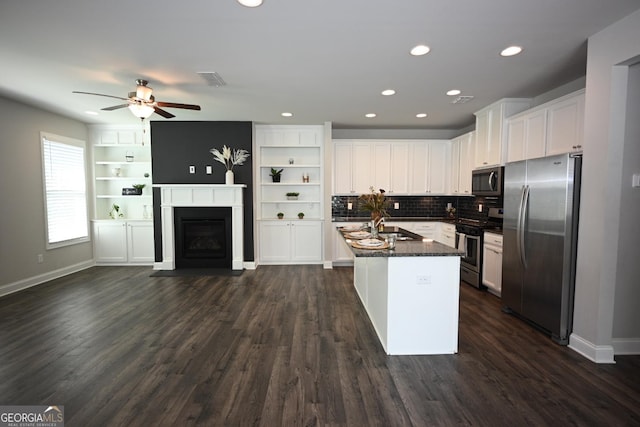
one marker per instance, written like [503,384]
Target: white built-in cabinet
[492,262]
[399,167]
[462,162]
[123,242]
[491,132]
[121,158]
[555,127]
[298,151]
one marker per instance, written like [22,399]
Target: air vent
[462,99]
[212,78]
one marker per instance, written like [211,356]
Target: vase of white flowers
[229,158]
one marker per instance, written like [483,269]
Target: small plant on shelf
[138,188]
[300,215]
[115,213]
[292,195]
[276,174]
[280,215]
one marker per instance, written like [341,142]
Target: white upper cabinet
[551,128]
[342,159]
[491,131]
[400,156]
[566,124]
[462,162]
[526,136]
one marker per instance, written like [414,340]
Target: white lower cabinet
[492,262]
[341,252]
[290,242]
[448,234]
[123,242]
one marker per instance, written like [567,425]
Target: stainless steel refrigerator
[541,200]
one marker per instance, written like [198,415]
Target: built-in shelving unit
[298,152]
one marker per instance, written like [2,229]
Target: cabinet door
[418,181]
[381,172]
[482,139]
[110,241]
[306,241]
[467,156]
[494,141]
[516,139]
[492,267]
[536,127]
[140,242]
[361,167]
[399,168]
[342,162]
[275,241]
[454,179]
[341,252]
[437,168]
[564,131]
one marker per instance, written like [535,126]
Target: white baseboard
[626,346]
[250,265]
[45,277]
[595,353]
[328,265]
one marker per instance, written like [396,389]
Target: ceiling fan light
[141,111]
[144,93]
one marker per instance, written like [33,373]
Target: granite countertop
[406,248]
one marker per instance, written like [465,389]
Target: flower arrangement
[376,203]
[451,211]
[230,158]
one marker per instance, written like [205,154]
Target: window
[65,190]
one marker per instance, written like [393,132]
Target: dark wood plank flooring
[283,346]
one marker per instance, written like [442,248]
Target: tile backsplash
[418,206]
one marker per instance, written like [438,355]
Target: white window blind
[65,190]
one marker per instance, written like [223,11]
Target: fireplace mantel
[200,195]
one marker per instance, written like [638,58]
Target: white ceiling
[322,60]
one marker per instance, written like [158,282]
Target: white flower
[229,158]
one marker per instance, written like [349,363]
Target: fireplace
[202,237]
[176,196]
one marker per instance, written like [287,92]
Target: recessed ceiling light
[511,50]
[421,115]
[287,114]
[370,115]
[453,92]
[91,113]
[250,3]
[420,50]
[388,92]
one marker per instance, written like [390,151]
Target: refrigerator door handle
[518,222]
[521,225]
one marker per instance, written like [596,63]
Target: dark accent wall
[177,145]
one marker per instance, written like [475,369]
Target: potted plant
[276,174]
[280,215]
[138,188]
[300,215]
[115,213]
[293,195]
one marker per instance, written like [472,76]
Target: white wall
[601,222]
[22,221]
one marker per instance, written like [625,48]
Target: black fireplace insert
[203,237]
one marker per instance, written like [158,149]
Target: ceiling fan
[142,103]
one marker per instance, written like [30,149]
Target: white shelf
[288,165]
[291,201]
[121,162]
[117,196]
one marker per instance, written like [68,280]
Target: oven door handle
[492,186]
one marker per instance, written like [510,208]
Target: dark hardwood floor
[283,346]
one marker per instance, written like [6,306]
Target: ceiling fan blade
[175,105]
[101,94]
[165,114]
[115,107]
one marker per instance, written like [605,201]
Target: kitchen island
[411,294]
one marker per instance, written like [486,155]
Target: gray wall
[605,232]
[22,220]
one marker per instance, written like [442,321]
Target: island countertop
[404,248]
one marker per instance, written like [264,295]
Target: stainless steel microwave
[487,182]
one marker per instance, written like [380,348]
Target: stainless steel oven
[469,238]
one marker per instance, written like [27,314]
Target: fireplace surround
[200,195]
